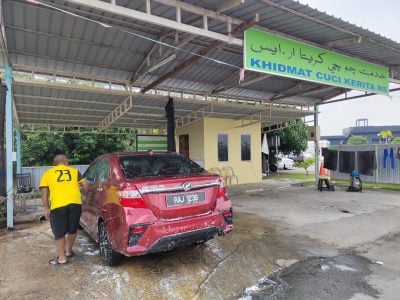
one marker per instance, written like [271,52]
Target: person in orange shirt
[62,202]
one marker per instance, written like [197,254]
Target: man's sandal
[55,261]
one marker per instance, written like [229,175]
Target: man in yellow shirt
[62,202]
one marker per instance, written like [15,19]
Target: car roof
[140,153]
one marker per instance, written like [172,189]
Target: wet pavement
[338,277]
[289,242]
[219,269]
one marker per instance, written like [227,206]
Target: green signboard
[151,142]
[269,53]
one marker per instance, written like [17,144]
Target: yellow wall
[196,140]
[203,139]
[247,171]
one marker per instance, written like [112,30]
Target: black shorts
[65,220]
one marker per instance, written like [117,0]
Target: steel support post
[9,147]
[18,140]
[316,143]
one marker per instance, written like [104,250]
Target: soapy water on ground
[222,268]
[193,271]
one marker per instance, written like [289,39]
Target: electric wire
[107,26]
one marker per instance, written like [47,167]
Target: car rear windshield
[135,166]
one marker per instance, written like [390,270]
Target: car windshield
[135,166]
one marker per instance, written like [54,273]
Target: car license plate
[185,199]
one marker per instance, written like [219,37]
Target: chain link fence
[387,166]
[37,172]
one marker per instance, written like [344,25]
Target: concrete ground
[366,224]
[290,241]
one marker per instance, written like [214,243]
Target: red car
[146,202]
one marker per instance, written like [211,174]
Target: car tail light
[228,216]
[139,229]
[222,190]
[131,198]
[135,233]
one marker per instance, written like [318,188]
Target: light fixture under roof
[163,62]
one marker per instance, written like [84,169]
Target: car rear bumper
[166,235]
[182,239]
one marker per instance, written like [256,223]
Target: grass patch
[302,176]
[371,185]
[338,182]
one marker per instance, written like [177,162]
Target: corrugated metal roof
[62,104]
[44,40]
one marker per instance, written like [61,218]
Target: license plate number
[185,199]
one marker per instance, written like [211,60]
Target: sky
[381,17]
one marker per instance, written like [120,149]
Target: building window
[245,146]
[222,147]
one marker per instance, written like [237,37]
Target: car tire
[108,255]
[273,168]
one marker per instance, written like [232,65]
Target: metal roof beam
[97,90]
[321,89]
[139,119]
[3,39]
[223,86]
[63,86]
[195,115]
[238,30]
[116,23]
[182,66]
[146,114]
[344,42]
[140,72]
[227,5]
[301,93]
[75,40]
[62,107]
[15,112]
[117,113]
[72,129]
[313,19]
[70,75]
[58,121]
[201,11]
[144,125]
[163,109]
[147,17]
[84,63]
[63,99]
[79,117]
[366,94]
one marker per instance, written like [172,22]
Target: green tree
[306,163]
[293,137]
[38,149]
[357,140]
[386,135]
[396,140]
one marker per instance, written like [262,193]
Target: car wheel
[273,168]
[109,256]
